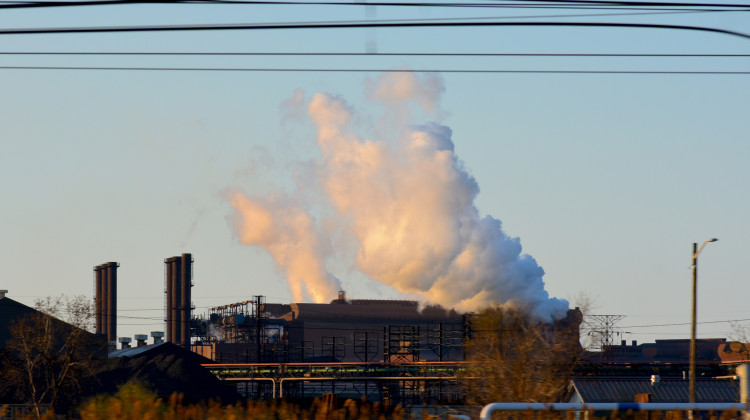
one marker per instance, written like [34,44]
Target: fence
[20,411]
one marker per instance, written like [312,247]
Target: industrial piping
[488,409]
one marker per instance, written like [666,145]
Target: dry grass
[135,402]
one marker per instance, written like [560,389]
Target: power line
[687,323]
[534,3]
[365,54]
[150,318]
[357,25]
[354,70]
[641,3]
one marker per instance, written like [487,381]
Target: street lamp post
[696,251]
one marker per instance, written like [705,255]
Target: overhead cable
[329,70]
[687,323]
[348,25]
[489,5]
[367,54]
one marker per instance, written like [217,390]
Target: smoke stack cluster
[178,281]
[106,300]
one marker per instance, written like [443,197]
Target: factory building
[356,330]
[386,350]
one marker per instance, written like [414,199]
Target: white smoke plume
[409,203]
[290,236]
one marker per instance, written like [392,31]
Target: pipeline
[486,413]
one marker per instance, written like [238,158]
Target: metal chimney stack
[178,283]
[98,300]
[105,285]
[173,266]
[186,298]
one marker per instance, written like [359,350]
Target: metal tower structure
[603,328]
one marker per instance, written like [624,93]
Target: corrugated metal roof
[667,390]
[133,351]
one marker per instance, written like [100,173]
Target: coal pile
[164,369]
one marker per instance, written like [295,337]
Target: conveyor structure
[395,382]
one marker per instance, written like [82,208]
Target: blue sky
[607,179]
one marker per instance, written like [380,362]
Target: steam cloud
[407,200]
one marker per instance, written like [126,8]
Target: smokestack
[140,340]
[178,282]
[158,336]
[175,299]
[172,281]
[98,300]
[104,309]
[2,294]
[185,299]
[111,299]
[168,300]
[105,303]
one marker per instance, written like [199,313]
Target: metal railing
[486,413]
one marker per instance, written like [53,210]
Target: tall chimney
[168,300]
[105,302]
[175,301]
[98,299]
[185,299]
[178,281]
[111,299]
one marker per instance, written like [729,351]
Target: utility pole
[693,347]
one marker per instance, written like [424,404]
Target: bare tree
[515,358]
[51,355]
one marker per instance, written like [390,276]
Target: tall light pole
[696,251]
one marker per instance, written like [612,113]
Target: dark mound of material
[165,369]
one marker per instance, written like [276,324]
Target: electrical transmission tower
[603,328]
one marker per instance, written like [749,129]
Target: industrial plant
[384,350]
